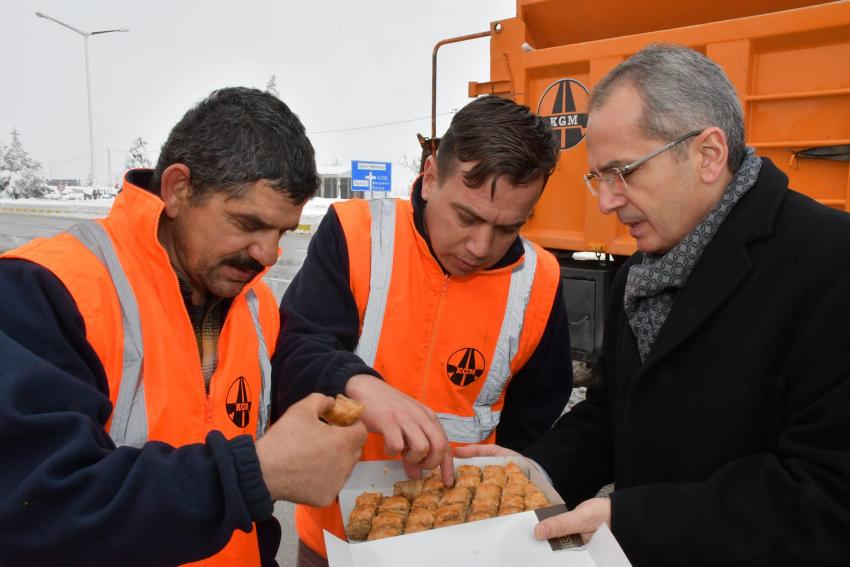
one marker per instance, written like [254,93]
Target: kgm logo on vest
[238,402]
[564,106]
[465,366]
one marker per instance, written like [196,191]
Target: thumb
[488,450]
[557,526]
[468,451]
[317,403]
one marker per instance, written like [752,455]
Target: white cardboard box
[502,541]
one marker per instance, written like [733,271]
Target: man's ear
[429,177]
[174,188]
[713,151]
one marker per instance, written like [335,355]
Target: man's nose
[608,200]
[264,248]
[480,242]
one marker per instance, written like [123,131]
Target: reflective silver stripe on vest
[265,365]
[460,429]
[463,429]
[383,237]
[129,417]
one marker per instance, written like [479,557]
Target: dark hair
[681,90]
[237,136]
[502,138]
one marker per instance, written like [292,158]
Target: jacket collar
[137,210]
[724,263]
[511,257]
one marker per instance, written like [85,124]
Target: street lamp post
[86,36]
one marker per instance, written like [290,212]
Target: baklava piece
[412,529]
[488,492]
[535,500]
[505,510]
[395,505]
[449,515]
[433,485]
[515,475]
[457,495]
[368,500]
[493,471]
[426,501]
[475,516]
[409,489]
[513,502]
[495,480]
[513,490]
[384,532]
[468,470]
[388,520]
[468,481]
[488,506]
[343,412]
[359,523]
[420,518]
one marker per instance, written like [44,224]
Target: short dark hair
[502,138]
[236,137]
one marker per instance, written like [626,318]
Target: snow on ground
[314,209]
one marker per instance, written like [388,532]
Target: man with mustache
[721,413]
[135,374]
[433,312]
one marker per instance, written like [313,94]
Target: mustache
[244,264]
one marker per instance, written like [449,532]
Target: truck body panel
[789,61]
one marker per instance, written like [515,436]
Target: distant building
[62,183]
[336,182]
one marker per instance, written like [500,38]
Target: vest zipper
[208,409]
[427,365]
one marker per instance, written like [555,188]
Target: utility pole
[86,36]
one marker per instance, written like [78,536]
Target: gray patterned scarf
[653,285]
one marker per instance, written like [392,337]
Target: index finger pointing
[447,468]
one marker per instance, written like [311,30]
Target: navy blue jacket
[320,328]
[69,496]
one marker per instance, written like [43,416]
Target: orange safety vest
[452,343]
[128,295]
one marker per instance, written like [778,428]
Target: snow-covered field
[312,214]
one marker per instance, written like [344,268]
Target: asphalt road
[16,229]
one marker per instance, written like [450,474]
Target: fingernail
[540,532]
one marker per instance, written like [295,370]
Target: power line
[85,156]
[381,125]
[376,125]
[66,160]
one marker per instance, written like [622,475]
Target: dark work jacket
[320,328]
[730,445]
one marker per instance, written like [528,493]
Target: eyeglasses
[615,177]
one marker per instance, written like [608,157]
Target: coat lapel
[724,264]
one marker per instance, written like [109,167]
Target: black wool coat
[730,444]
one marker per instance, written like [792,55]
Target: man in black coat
[723,409]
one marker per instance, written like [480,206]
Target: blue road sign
[371,175]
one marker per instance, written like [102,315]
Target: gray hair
[682,90]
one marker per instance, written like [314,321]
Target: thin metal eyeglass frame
[627,169]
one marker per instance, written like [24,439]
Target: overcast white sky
[338,64]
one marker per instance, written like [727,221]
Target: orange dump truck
[788,59]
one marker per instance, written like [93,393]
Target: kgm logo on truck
[564,105]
